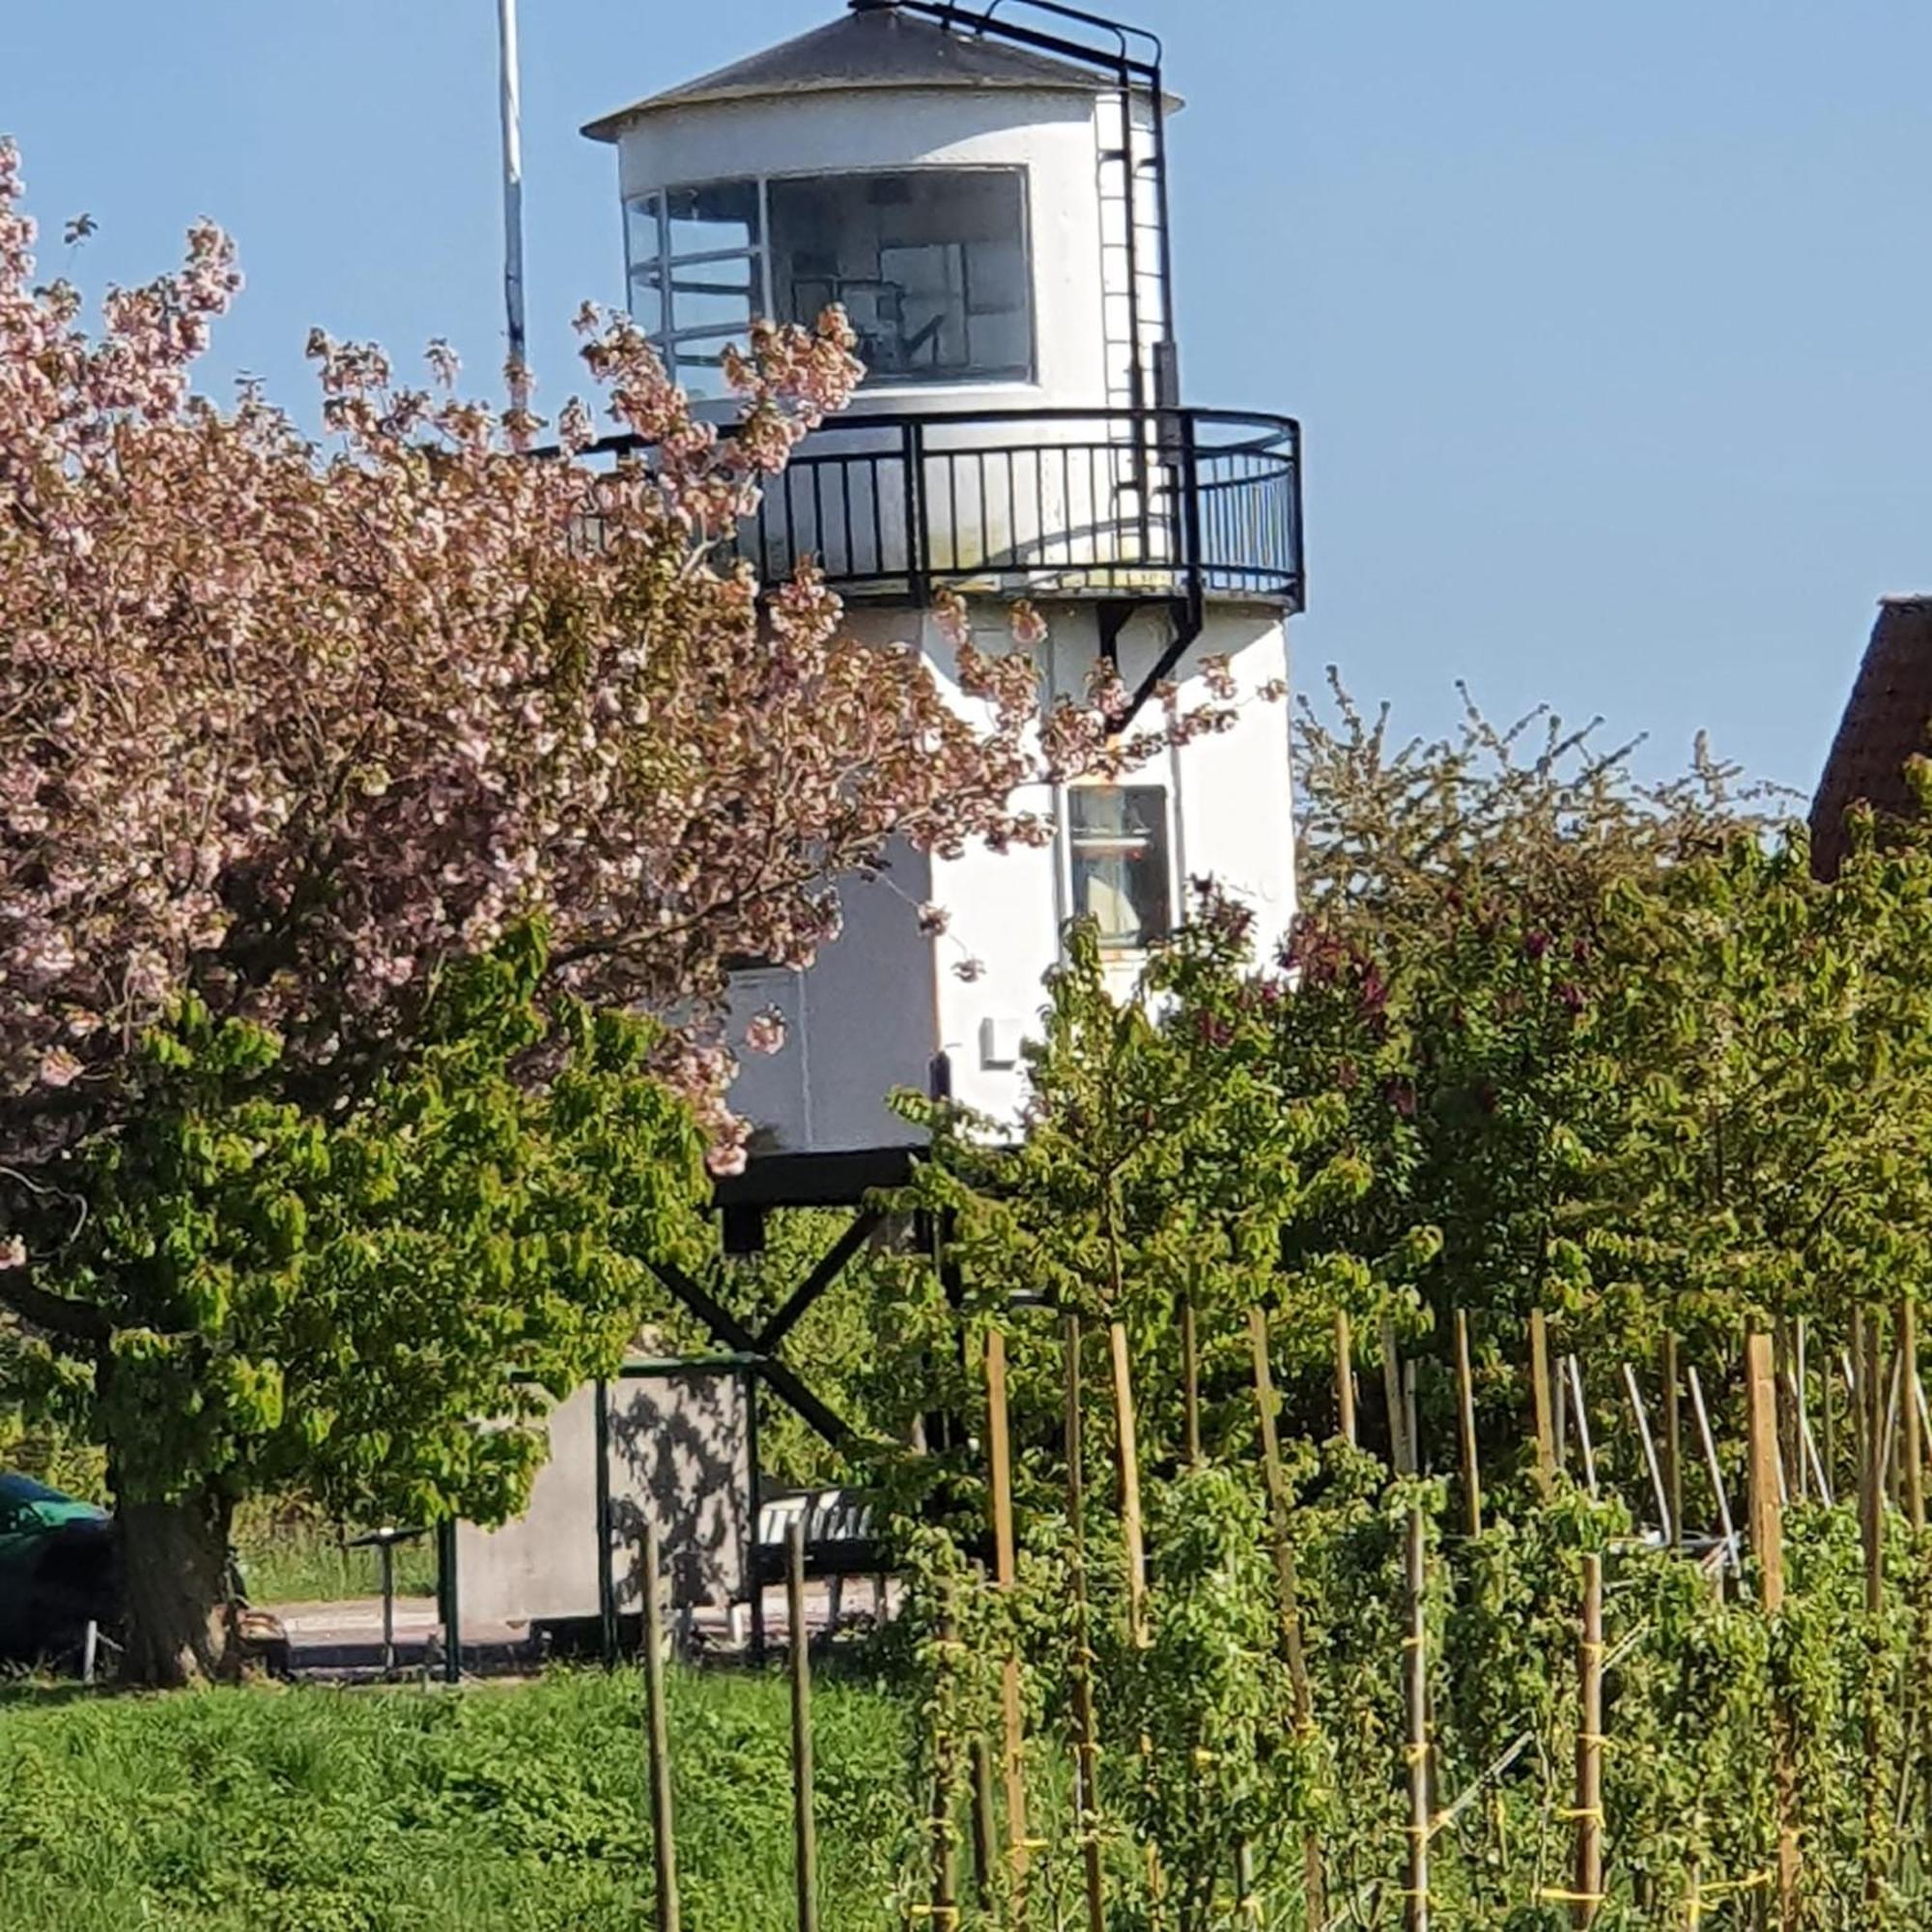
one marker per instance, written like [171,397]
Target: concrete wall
[678,1453]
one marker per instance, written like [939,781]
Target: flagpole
[513,205]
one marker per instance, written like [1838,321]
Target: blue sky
[1607,325]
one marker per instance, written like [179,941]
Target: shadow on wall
[679,1450]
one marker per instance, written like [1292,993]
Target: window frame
[1164,844]
[668,339]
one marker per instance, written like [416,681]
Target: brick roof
[1887,721]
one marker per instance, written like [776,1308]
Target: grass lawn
[511,1808]
[300,1559]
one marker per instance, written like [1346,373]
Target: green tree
[376,1307]
[1773,1134]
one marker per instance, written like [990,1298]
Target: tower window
[1119,846]
[930,265]
[697,276]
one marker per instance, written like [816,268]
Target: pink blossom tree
[289,730]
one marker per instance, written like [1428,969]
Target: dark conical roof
[871,46]
[1886,725]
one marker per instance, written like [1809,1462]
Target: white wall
[1007,908]
[881,1001]
[1235,790]
[679,1452]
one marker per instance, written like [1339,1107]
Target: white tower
[986,194]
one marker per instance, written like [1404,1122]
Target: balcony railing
[1088,503]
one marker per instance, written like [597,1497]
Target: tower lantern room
[984,190]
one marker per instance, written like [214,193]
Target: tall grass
[302,1559]
[514,1808]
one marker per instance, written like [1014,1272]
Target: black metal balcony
[1174,504]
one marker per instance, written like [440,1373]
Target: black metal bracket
[1114,617]
[830,1267]
[764,1344]
[1189,620]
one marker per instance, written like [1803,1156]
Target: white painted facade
[886,1006]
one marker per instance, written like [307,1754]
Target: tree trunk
[182,1623]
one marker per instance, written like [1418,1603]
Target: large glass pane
[647,298]
[642,251]
[717,219]
[930,265]
[1119,862]
[698,365]
[714,294]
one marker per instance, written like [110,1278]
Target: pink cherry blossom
[766,1031]
[291,725]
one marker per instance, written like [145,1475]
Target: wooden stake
[1673,1442]
[663,1838]
[1345,1377]
[1561,1426]
[1855,1389]
[1914,1442]
[944,1907]
[1415,1689]
[1401,1449]
[1767,1532]
[985,1830]
[1466,1403]
[1006,1573]
[1246,1902]
[1870,1380]
[1871,1462]
[1086,1729]
[1828,1422]
[1801,1406]
[1890,1462]
[1190,1385]
[1587,1894]
[1574,1371]
[1275,1482]
[804,1822]
[1127,1450]
[1294,1651]
[1790,1456]
[1767,1515]
[1543,1393]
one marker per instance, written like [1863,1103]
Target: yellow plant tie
[1719,1887]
